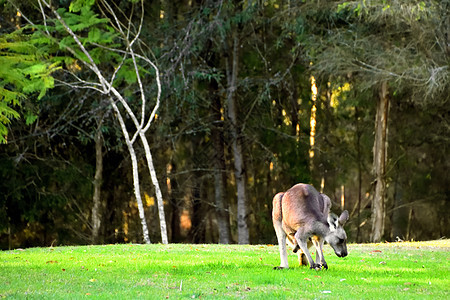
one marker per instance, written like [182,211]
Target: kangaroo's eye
[341,241]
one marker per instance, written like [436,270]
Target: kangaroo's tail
[277,207]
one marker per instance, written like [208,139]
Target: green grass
[370,271]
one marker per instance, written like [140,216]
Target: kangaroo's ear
[332,221]
[343,218]
[326,204]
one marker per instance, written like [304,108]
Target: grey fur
[302,215]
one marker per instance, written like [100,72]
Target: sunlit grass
[371,271]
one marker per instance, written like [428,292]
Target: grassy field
[370,271]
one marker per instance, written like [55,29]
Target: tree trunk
[239,171]
[134,166]
[159,198]
[137,193]
[98,178]
[399,213]
[109,89]
[199,214]
[175,204]
[379,164]
[295,108]
[359,158]
[222,212]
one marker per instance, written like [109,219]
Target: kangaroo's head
[337,238]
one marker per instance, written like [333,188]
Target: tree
[217,135]
[98,178]
[379,163]
[80,18]
[385,48]
[229,43]
[232,71]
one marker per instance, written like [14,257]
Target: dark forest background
[311,79]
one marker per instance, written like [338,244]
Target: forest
[177,121]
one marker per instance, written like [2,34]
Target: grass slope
[371,271]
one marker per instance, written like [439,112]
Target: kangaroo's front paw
[325,266]
[297,247]
[280,268]
[315,266]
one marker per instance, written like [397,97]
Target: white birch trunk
[105,87]
[159,198]
[134,165]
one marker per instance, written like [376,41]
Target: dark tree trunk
[294,109]
[221,203]
[360,162]
[379,164]
[98,178]
[175,204]
[198,216]
[399,213]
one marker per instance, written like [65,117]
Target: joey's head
[337,238]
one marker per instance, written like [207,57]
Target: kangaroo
[301,215]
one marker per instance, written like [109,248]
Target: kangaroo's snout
[342,254]
[340,251]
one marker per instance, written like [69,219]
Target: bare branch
[44,17]
[157,78]
[107,87]
[80,85]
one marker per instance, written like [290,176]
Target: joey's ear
[343,218]
[332,221]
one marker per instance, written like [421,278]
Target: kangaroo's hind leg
[281,234]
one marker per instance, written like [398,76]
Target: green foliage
[26,72]
[90,30]
[402,271]
[29,60]
[126,74]
[78,22]
[384,41]
[78,5]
